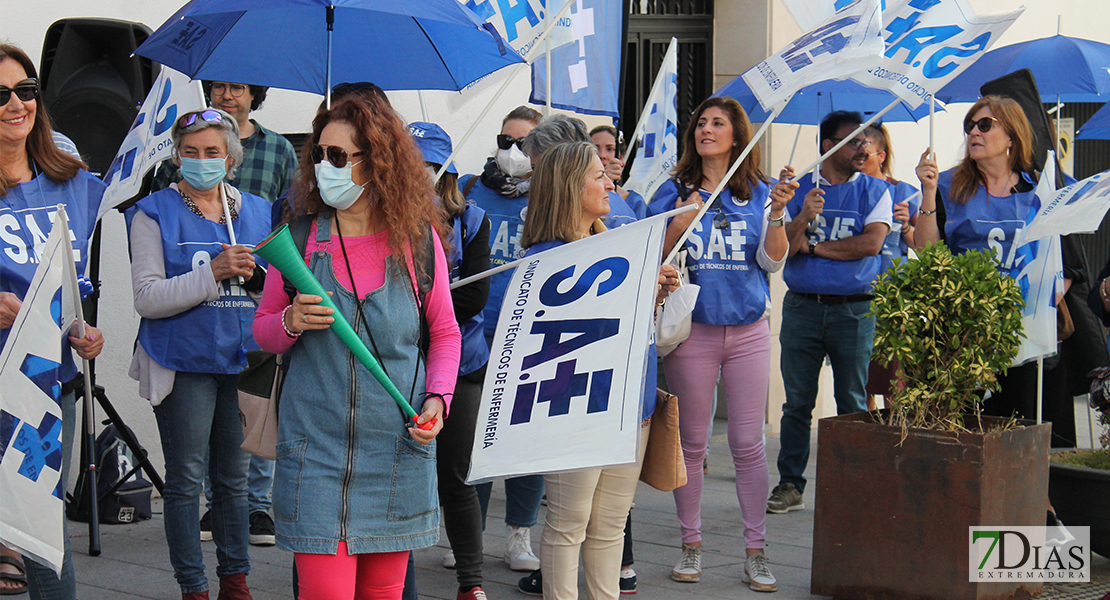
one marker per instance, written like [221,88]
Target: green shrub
[954,323]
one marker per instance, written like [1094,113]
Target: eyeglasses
[236,89]
[336,156]
[505,142]
[25,90]
[855,144]
[985,124]
[207,115]
[720,220]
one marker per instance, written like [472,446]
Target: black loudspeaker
[92,86]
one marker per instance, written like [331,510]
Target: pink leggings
[342,576]
[741,354]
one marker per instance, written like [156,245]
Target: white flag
[31,486]
[929,42]
[658,150]
[1077,208]
[808,14]
[848,41]
[565,384]
[1038,269]
[149,143]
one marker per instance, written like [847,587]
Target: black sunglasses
[505,142]
[208,116]
[985,124]
[336,156]
[25,90]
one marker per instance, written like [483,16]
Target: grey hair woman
[190,277]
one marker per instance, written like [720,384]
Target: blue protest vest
[26,217]
[723,262]
[475,350]
[620,213]
[637,203]
[985,222]
[651,369]
[212,337]
[847,206]
[506,226]
[894,246]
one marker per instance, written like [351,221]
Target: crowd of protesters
[386,240]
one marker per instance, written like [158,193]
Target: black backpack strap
[469,185]
[298,228]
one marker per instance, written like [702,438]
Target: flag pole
[793,148]
[512,265]
[62,220]
[724,181]
[497,96]
[932,106]
[850,137]
[547,72]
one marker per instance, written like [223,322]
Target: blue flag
[586,71]
[657,153]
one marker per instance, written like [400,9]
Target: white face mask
[513,162]
[336,187]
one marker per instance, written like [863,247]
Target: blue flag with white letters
[586,72]
[31,485]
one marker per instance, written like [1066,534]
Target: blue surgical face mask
[336,187]
[203,173]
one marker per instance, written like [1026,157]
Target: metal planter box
[891,522]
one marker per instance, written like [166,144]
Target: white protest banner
[565,383]
[658,133]
[31,486]
[808,14]
[929,42]
[148,142]
[521,23]
[1077,208]
[1038,269]
[848,41]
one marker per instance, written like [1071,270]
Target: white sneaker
[757,575]
[449,560]
[688,570]
[518,550]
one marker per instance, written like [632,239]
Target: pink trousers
[741,355]
[342,576]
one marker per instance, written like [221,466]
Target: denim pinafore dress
[347,469]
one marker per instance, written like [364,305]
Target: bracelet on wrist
[289,332]
[1102,291]
[926,213]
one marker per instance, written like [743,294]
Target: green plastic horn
[279,250]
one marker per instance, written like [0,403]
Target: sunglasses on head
[25,90]
[208,116]
[336,156]
[505,142]
[983,124]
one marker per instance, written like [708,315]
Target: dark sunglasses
[336,156]
[985,124]
[505,142]
[720,220]
[208,116]
[25,90]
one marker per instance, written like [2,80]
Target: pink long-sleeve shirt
[367,256]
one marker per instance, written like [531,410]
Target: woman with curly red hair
[354,488]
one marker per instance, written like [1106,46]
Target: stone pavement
[135,562]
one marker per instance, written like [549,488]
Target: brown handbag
[1064,325]
[664,468]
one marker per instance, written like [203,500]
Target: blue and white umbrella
[307,45]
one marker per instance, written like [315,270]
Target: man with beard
[836,229]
